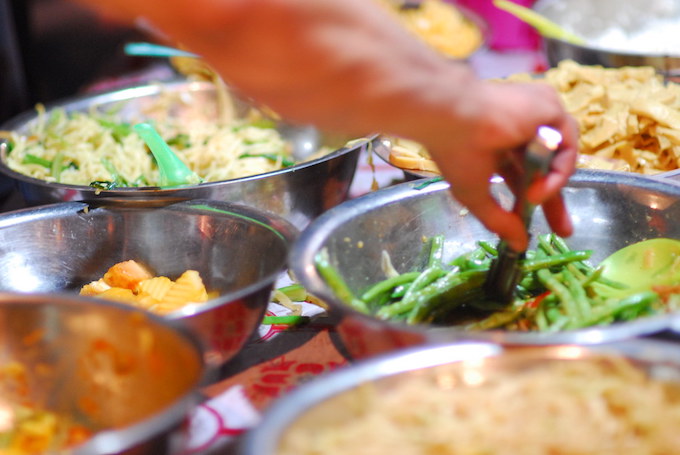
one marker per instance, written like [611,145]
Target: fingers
[557,216]
[562,167]
[494,217]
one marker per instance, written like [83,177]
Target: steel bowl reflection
[429,398]
[239,253]
[299,192]
[126,378]
[609,210]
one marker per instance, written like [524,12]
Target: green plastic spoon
[543,25]
[644,264]
[173,171]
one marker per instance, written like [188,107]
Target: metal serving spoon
[173,171]
[505,270]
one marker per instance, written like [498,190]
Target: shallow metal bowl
[609,210]
[239,253]
[299,193]
[340,397]
[588,19]
[129,376]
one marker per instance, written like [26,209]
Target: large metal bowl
[298,193]
[238,251]
[129,376]
[340,398]
[588,19]
[609,210]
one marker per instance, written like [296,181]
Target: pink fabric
[507,32]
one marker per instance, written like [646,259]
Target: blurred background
[51,49]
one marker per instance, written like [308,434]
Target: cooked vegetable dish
[101,149]
[558,290]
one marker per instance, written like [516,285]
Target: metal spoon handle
[505,270]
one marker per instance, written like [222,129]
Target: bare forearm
[344,65]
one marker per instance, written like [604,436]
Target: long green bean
[559,290]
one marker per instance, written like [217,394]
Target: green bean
[551,282]
[454,288]
[613,309]
[404,305]
[285,320]
[475,259]
[337,283]
[497,319]
[387,285]
[436,251]
[489,248]
[399,291]
[578,293]
[555,260]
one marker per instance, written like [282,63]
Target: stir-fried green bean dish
[559,290]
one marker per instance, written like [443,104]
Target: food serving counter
[284,355]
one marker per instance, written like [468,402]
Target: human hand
[495,119]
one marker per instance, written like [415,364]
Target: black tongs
[505,271]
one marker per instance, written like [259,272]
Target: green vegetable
[285,320]
[295,292]
[32,159]
[119,130]
[559,290]
[285,162]
[181,141]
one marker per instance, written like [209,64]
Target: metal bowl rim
[263,439]
[163,419]
[130,93]
[311,239]
[284,230]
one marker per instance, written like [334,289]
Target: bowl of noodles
[481,398]
[87,376]
[406,265]
[207,264]
[86,148]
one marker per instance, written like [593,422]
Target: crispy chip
[627,114]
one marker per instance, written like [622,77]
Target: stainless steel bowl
[130,376]
[588,19]
[238,251]
[298,193]
[340,397]
[609,210]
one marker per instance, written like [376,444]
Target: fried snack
[407,154]
[628,118]
[439,24]
[130,282]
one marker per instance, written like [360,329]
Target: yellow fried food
[132,283]
[407,154]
